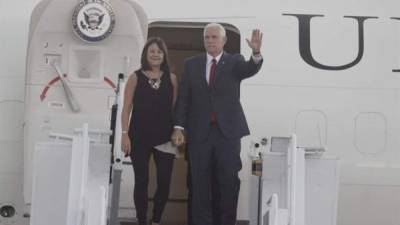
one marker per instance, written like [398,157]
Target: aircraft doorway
[183,39]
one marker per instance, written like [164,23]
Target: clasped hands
[177,137]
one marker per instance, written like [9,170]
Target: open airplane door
[76,51]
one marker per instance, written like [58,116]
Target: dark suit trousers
[215,196]
[221,156]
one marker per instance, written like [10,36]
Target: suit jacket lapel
[202,70]
[220,68]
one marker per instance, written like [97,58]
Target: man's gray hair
[216,25]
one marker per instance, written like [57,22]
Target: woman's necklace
[155,83]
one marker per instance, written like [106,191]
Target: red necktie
[212,72]
[211,83]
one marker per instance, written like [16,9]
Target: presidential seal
[93,20]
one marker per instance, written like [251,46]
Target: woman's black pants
[164,163]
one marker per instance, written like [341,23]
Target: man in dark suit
[208,108]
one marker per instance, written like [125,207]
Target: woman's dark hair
[161,44]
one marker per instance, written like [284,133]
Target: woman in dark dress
[150,95]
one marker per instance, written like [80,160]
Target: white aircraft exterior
[330,75]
